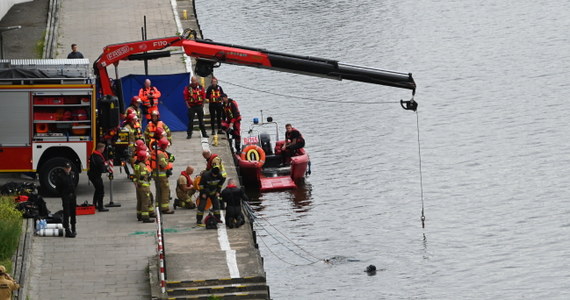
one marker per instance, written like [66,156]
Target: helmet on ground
[163,143]
[135,99]
[142,155]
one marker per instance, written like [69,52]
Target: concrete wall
[5,6]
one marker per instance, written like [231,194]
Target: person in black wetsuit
[98,166]
[65,185]
[293,141]
[232,196]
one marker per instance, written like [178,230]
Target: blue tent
[172,108]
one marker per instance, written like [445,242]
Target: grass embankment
[10,228]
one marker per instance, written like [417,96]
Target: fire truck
[47,108]
[50,118]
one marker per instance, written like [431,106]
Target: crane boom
[214,52]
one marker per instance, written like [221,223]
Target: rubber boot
[68,233]
[218,217]
[199,216]
[73,230]
[176,203]
[139,218]
[204,134]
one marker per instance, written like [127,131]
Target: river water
[492,80]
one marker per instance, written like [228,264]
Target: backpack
[211,221]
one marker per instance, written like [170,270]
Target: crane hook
[409,105]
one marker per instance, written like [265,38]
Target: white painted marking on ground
[187,61]
[231,258]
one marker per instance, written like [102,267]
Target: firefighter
[232,121]
[194,95]
[214,97]
[142,184]
[213,160]
[210,186]
[135,107]
[131,120]
[185,189]
[7,284]
[153,125]
[150,96]
[65,186]
[161,170]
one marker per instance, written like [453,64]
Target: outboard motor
[265,141]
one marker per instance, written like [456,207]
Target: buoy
[253,153]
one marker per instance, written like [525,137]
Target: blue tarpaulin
[172,108]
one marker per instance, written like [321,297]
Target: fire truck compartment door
[15,118]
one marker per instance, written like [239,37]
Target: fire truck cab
[47,108]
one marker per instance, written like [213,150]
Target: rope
[281,259]
[307,98]
[311,255]
[251,212]
[278,241]
[423,218]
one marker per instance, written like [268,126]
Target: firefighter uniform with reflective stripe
[142,182]
[151,128]
[216,161]
[161,165]
[211,184]
[184,196]
[137,124]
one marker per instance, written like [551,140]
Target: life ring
[253,153]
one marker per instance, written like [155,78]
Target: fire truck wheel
[50,170]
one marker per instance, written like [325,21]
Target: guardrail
[160,251]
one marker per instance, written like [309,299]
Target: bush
[10,227]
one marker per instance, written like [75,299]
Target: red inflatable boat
[261,163]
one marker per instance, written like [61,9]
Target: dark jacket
[211,183]
[233,196]
[96,165]
[64,183]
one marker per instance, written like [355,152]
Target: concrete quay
[109,259]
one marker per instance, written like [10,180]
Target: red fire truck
[47,108]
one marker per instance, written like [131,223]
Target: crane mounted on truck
[59,117]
